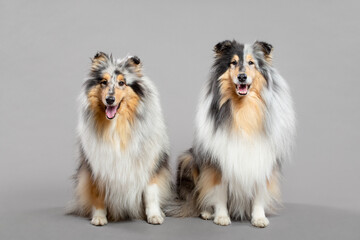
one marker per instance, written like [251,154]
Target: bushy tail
[72,208]
[184,204]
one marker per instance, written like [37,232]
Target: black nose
[110,100]
[242,77]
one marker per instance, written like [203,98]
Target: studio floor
[295,221]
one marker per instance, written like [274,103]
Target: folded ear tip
[99,54]
[217,47]
[136,59]
[267,47]
[220,46]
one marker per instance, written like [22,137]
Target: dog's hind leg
[206,214]
[90,197]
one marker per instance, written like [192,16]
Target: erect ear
[222,47]
[98,59]
[135,60]
[100,56]
[135,64]
[266,48]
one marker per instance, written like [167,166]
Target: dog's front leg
[152,204]
[258,218]
[212,192]
[90,197]
[99,216]
[219,197]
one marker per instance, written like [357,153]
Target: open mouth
[111,111]
[242,89]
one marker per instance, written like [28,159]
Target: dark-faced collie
[123,171]
[244,131]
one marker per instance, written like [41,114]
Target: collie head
[240,67]
[246,94]
[114,86]
[238,79]
[115,97]
[119,103]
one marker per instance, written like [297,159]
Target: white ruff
[246,162]
[124,173]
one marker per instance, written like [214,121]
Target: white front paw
[260,222]
[99,220]
[155,219]
[222,220]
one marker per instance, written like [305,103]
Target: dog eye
[121,83]
[234,63]
[251,63]
[103,83]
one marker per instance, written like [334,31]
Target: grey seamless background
[45,56]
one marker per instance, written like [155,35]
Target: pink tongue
[242,88]
[111,111]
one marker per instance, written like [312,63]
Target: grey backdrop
[45,52]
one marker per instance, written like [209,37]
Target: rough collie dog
[244,132]
[123,171]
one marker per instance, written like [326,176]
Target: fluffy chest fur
[245,155]
[241,149]
[245,162]
[123,173]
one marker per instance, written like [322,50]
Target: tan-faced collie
[123,169]
[244,131]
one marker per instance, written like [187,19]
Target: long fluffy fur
[122,156]
[246,161]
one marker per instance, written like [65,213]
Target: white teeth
[242,89]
